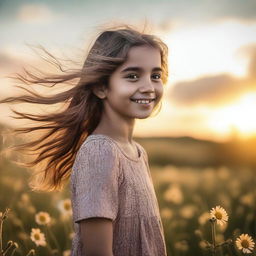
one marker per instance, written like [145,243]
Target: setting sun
[239,116]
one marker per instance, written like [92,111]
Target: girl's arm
[95,195]
[97,236]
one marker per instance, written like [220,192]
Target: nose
[147,86]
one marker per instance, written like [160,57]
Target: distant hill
[188,151]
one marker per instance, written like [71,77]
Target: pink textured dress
[105,182]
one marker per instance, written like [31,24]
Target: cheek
[159,90]
[120,98]
[121,88]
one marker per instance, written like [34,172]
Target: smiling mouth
[143,101]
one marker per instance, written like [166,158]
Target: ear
[99,91]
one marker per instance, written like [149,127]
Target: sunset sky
[211,92]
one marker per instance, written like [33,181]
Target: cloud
[249,51]
[235,9]
[238,9]
[215,90]
[252,67]
[34,13]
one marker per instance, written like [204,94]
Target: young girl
[115,209]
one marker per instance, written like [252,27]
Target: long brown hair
[64,132]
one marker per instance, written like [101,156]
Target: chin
[142,116]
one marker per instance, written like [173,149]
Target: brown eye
[132,76]
[157,76]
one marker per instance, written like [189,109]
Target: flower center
[245,244]
[37,236]
[218,215]
[42,218]
[67,206]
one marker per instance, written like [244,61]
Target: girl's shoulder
[96,150]
[97,144]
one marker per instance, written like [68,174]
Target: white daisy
[245,243]
[219,214]
[65,207]
[37,237]
[43,218]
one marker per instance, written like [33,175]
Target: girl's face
[136,87]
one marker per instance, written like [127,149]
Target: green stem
[8,247]
[53,238]
[66,234]
[2,218]
[14,249]
[1,235]
[230,251]
[49,248]
[213,237]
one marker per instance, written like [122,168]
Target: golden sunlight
[239,116]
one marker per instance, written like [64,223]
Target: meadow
[190,177]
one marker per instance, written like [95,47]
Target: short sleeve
[95,181]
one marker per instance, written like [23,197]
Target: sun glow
[239,117]
[210,48]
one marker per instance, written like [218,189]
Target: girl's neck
[119,129]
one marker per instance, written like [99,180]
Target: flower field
[205,211]
[186,197]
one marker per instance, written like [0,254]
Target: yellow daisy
[37,237]
[219,214]
[245,243]
[42,218]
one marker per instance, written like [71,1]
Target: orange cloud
[215,90]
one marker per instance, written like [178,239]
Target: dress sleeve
[95,181]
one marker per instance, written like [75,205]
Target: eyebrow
[140,69]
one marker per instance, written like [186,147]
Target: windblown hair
[64,132]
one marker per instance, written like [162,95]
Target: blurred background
[201,145]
